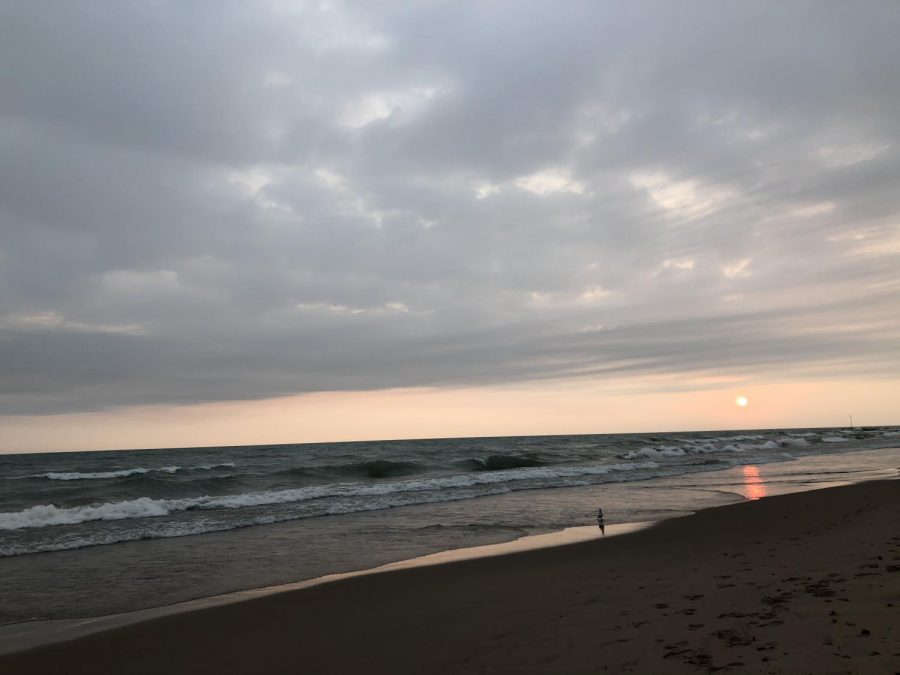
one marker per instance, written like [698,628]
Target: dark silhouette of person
[600,522]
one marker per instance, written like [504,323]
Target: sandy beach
[806,582]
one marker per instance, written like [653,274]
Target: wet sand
[806,582]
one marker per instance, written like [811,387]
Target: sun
[742,401]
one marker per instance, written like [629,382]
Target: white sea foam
[48,514]
[117,536]
[78,475]
[121,473]
[651,453]
[144,530]
[833,439]
[707,446]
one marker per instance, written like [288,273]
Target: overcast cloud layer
[203,201]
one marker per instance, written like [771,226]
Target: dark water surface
[83,534]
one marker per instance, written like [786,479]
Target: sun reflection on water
[753,482]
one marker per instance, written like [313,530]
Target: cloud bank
[222,200]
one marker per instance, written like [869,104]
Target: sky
[283,221]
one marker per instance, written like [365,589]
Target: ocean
[211,520]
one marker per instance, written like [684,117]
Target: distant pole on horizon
[851,422]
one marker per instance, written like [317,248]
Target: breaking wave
[723,444]
[45,515]
[122,473]
[500,462]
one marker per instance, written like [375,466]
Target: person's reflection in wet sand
[600,522]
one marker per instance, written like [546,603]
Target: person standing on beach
[600,523]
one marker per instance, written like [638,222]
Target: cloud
[684,198]
[203,202]
[548,182]
[396,106]
[53,322]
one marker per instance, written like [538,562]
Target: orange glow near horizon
[545,408]
[753,483]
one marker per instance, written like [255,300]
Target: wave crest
[46,515]
[122,473]
[500,462]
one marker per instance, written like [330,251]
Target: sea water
[211,520]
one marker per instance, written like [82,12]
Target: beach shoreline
[23,635]
[101,581]
[746,575]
